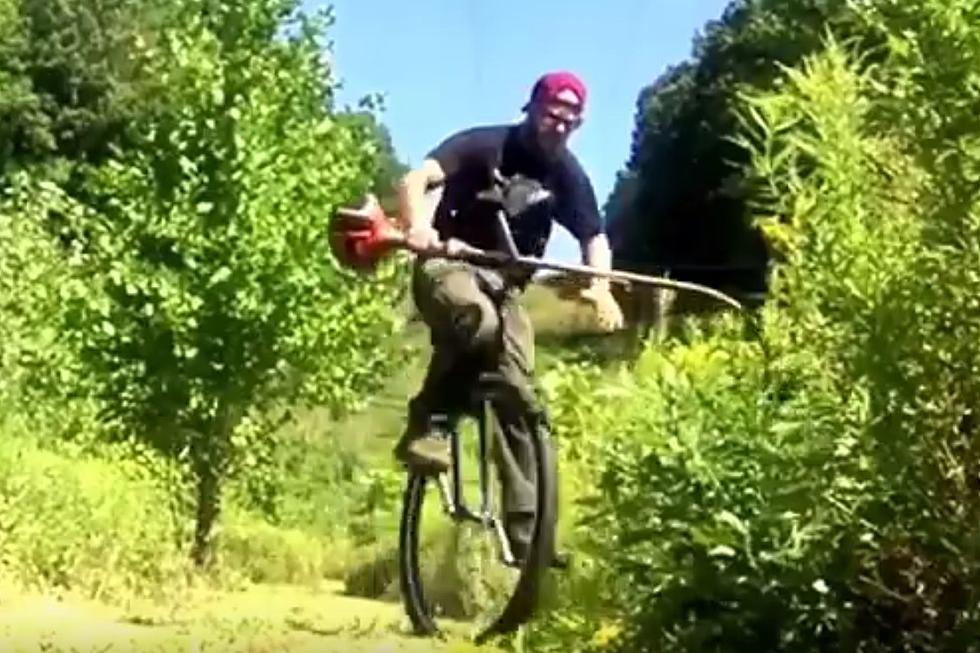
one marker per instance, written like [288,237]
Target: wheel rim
[438,583]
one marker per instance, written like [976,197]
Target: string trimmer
[360,238]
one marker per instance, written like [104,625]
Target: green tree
[206,294]
[687,210]
[814,487]
[70,83]
[32,360]
[390,168]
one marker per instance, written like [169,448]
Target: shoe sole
[423,466]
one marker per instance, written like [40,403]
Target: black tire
[524,601]
[413,595]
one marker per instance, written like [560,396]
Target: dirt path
[262,619]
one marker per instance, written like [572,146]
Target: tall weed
[96,524]
[812,487]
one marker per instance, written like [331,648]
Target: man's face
[554,120]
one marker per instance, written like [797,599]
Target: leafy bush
[173,292]
[98,524]
[106,520]
[29,269]
[207,295]
[813,487]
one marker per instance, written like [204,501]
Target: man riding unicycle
[473,312]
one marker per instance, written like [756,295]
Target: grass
[259,619]
[90,557]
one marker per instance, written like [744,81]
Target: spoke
[506,554]
[445,494]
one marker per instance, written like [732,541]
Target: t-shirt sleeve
[463,149]
[577,208]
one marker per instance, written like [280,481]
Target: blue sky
[444,65]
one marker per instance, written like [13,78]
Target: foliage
[680,202]
[804,480]
[40,374]
[208,294]
[100,520]
[69,82]
[97,523]
[28,274]
[389,169]
[812,486]
[177,278]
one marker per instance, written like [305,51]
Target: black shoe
[558,560]
[426,454]
[424,446]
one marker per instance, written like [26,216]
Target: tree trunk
[208,510]
[210,454]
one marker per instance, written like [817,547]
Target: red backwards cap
[550,85]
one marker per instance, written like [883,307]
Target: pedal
[491,382]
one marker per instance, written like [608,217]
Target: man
[473,313]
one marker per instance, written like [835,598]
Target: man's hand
[422,237]
[608,313]
[596,253]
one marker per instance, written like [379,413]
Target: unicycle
[483,584]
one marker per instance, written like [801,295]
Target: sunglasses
[570,117]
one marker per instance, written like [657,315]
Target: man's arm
[413,211]
[449,157]
[596,253]
[579,212]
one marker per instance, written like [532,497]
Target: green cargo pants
[477,323]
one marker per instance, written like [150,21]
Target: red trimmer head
[360,238]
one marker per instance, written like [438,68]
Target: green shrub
[38,371]
[97,524]
[206,294]
[254,549]
[106,520]
[811,487]
[176,294]
[713,477]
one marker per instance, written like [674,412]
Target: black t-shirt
[469,157]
